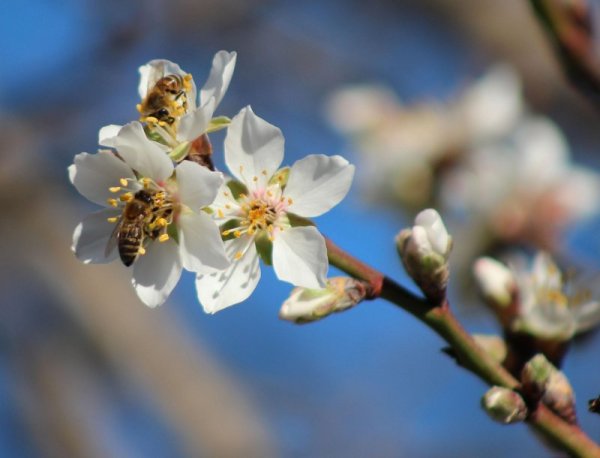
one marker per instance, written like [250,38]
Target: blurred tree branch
[568,24]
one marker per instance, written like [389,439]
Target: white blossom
[176,233]
[546,308]
[192,113]
[260,219]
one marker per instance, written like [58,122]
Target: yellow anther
[238,255]
[251,231]
[269,193]
[161,222]
[227,206]
[254,178]
[139,107]
[126,197]
[264,172]
[290,201]
[123,181]
[112,202]
[242,195]
[151,119]
[142,251]
[280,178]
[146,182]
[162,123]
[114,188]
[237,234]
[163,238]
[225,193]
[271,238]
[112,219]
[220,213]
[226,232]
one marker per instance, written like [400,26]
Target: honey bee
[160,100]
[137,222]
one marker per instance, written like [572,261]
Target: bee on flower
[262,212]
[173,113]
[153,218]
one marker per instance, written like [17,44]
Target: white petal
[493,105]
[198,186]
[300,257]
[147,157]
[317,183]
[253,148]
[91,236]
[220,75]
[587,315]
[225,206]
[107,134]
[200,242]
[436,230]
[194,123]
[156,273]
[93,174]
[155,70]
[218,290]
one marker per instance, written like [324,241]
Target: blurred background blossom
[87,370]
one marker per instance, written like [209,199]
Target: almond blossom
[176,234]
[192,116]
[262,220]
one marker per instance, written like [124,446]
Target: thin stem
[470,355]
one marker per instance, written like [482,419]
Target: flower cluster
[167,209]
[482,154]
[537,300]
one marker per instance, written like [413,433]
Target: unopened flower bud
[495,346]
[504,405]
[496,282]
[542,379]
[305,305]
[424,251]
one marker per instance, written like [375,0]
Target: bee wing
[113,239]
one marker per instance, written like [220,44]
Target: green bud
[542,379]
[306,305]
[536,373]
[504,405]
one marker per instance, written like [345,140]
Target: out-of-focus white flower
[545,309]
[491,107]
[305,305]
[424,250]
[496,281]
[186,116]
[405,147]
[161,205]
[524,188]
[401,145]
[262,214]
[357,109]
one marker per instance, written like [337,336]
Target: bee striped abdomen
[131,237]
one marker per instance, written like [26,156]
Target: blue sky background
[369,382]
